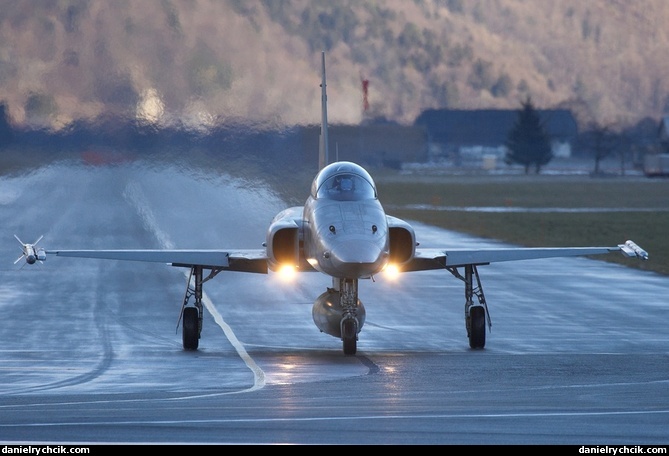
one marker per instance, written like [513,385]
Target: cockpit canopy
[344,181]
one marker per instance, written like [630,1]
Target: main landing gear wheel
[190,332]
[477,328]
[476,316]
[349,336]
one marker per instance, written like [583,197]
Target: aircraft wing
[427,259]
[244,260]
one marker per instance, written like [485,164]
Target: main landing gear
[476,314]
[352,311]
[192,315]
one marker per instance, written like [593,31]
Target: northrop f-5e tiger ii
[341,231]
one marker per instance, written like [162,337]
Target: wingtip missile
[30,252]
[631,249]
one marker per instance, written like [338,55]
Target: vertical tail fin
[323,158]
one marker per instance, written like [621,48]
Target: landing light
[391,271]
[287,272]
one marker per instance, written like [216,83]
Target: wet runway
[90,351]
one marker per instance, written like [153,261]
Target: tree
[528,142]
[6,131]
[601,141]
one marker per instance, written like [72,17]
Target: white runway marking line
[445,416]
[133,194]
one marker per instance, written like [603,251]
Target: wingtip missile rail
[31,252]
[631,249]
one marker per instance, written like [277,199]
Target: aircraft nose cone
[358,259]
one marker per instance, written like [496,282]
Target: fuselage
[344,225]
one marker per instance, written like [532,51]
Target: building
[663,134]
[377,145]
[477,137]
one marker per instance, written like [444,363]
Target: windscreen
[346,187]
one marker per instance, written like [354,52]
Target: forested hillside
[208,61]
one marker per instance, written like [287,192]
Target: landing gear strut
[476,314]
[348,296]
[192,315]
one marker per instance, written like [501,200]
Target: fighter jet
[341,231]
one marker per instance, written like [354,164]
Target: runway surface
[90,351]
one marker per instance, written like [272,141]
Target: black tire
[349,336]
[190,331]
[477,327]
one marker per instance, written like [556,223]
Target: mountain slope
[204,61]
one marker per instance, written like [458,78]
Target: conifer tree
[528,142]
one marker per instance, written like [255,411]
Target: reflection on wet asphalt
[92,350]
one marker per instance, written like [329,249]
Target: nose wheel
[348,297]
[349,335]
